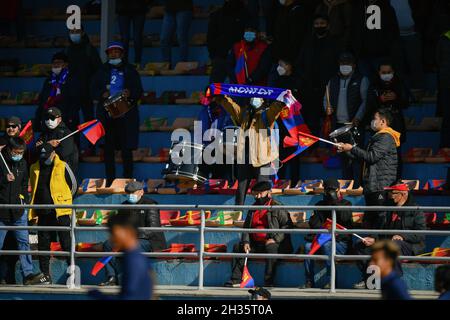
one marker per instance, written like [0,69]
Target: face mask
[331,196]
[373,125]
[115,62]
[262,200]
[249,36]
[256,102]
[345,69]
[281,71]
[75,37]
[320,31]
[387,77]
[282,2]
[51,124]
[17,157]
[132,198]
[56,71]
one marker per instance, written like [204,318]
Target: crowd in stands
[322,50]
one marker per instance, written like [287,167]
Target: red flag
[93,130]
[27,133]
[240,69]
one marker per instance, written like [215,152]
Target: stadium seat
[117,186]
[415,155]
[224,218]
[304,187]
[191,218]
[181,68]
[90,186]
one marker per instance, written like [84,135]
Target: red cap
[398,187]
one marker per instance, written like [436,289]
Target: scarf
[56,81]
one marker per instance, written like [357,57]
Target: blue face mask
[17,157]
[115,62]
[75,37]
[132,198]
[249,36]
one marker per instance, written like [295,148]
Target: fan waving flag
[240,69]
[247,279]
[100,264]
[93,130]
[27,133]
[321,239]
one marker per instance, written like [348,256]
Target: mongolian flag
[27,133]
[92,130]
[322,238]
[247,279]
[240,70]
[99,265]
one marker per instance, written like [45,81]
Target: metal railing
[202,229]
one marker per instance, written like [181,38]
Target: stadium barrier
[202,229]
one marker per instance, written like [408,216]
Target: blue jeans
[112,267]
[138,28]
[181,22]
[341,248]
[22,242]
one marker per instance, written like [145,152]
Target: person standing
[225,27]
[443,62]
[340,13]
[52,182]
[177,17]
[271,243]
[14,190]
[132,12]
[115,77]
[148,240]
[54,130]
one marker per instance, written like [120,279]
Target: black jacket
[10,191]
[67,149]
[225,27]
[150,219]
[178,5]
[129,123]
[380,162]
[410,220]
[340,15]
[318,218]
[278,219]
[69,102]
[443,61]
[84,61]
[132,7]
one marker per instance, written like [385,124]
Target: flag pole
[4,162]
[317,138]
[68,136]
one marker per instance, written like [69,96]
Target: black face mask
[261,201]
[331,197]
[320,31]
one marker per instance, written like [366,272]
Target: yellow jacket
[59,189]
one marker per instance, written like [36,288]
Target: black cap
[46,151]
[14,120]
[262,186]
[346,57]
[331,184]
[261,292]
[53,111]
[134,186]
[60,56]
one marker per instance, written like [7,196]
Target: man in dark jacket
[271,243]
[14,190]
[408,244]
[225,27]
[380,164]
[54,130]
[84,61]
[443,62]
[317,63]
[148,240]
[372,45]
[332,197]
[113,78]
[12,129]
[340,13]
[61,90]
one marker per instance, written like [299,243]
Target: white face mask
[281,70]
[51,124]
[256,102]
[282,2]
[387,77]
[374,125]
[56,71]
[115,62]
[345,69]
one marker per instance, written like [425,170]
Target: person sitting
[257,58]
[332,197]
[148,240]
[442,282]
[12,129]
[408,244]
[137,272]
[54,130]
[385,257]
[61,90]
[271,243]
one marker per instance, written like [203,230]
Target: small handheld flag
[92,130]
[27,133]
[247,280]
[240,69]
[99,265]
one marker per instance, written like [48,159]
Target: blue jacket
[394,288]
[445,296]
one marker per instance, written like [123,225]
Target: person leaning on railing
[408,244]
[271,243]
